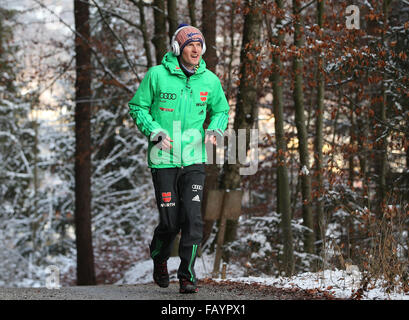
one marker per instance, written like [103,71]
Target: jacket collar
[170,61]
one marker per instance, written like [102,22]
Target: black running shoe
[187,286]
[160,274]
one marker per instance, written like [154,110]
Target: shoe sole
[162,285]
[188,291]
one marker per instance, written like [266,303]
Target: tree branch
[119,40]
[104,67]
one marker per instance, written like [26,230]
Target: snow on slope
[340,283]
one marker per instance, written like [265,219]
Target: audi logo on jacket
[168,101]
[167,95]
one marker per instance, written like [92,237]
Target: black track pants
[179,196]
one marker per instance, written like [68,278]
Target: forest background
[325,83]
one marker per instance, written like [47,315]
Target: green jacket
[168,101]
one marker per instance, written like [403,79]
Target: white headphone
[175,45]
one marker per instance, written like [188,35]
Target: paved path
[208,290]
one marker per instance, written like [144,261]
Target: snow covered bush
[258,246]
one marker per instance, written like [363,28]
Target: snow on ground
[340,283]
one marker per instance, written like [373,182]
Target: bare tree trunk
[380,131]
[232,49]
[159,39]
[209,18]
[349,245]
[302,131]
[246,113]
[192,12]
[319,229]
[85,256]
[406,184]
[172,17]
[283,187]
[146,44]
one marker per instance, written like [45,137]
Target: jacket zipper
[187,95]
[186,102]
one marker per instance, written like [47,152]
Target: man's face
[191,53]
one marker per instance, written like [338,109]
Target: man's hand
[162,141]
[166,143]
[212,138]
